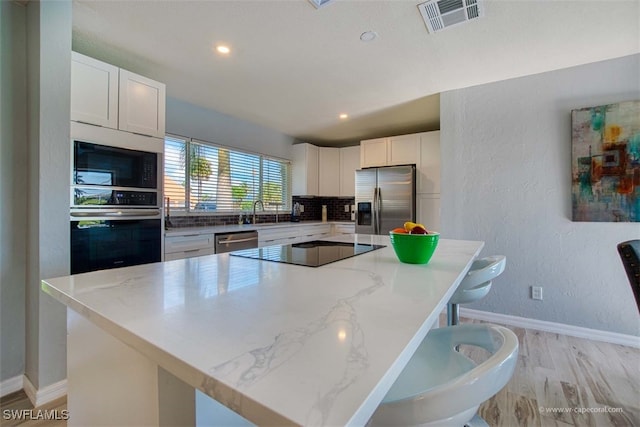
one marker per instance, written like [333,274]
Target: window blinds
[218,179]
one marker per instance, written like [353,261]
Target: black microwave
[113,177]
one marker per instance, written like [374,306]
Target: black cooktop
[311,254]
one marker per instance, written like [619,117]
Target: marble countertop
[277,343]
[182,231]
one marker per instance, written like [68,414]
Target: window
[220,179]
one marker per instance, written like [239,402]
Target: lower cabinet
[193,245]
[187,246]
[343,229]
[292,234]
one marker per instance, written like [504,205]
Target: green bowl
[414,248]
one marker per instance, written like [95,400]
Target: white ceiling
[295,68]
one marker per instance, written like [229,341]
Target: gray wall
[192,121]
[506,179]
[13,188]
[48,79]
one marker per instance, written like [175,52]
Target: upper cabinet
[373,152]
[395,150]
[328,178]
[305,170]
[94,91]
[324,171]
[142,105]
[105,95]
[349,164]
[403,149]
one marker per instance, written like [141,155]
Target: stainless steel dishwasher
[236,240]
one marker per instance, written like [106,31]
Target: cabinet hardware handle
[238,240]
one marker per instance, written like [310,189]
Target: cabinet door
[94,91]
[314,232]
[178,247]
[404,150]
[328,177]
[349,164]
[142,105]
[373,152]
[429,167]
[344,229]
[304,170]
[428,208]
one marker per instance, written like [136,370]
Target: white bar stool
[475,285]
[442,387]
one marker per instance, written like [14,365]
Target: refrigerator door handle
[379,208]
[374,210]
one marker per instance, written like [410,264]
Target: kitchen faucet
[254,209]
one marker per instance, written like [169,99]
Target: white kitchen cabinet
[315,232]
[328,176]
[107,96]
[428,180]
[373,152]
[294,233]
[141,105]
[343,229]
[349,164]
[187,246]
[324,171]
[392,151]
[268,236]
[403,149]
[428,211]
[94,91]
[305,170]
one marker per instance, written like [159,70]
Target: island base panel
[109,383]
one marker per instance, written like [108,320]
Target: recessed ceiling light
[223,49]
[368,36]
[343,116]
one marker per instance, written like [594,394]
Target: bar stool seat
[476,284]
[442,387]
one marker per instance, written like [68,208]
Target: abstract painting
[606,163]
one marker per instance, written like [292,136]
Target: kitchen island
[279,344]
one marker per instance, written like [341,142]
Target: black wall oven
[115,216]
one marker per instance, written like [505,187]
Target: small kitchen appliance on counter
[295,212]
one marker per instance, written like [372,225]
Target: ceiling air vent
[319,3]
[442,14]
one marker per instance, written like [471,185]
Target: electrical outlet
[346,208]
[536,292]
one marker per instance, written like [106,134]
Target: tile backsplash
[312,212]
[335,208]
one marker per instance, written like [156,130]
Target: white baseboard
[558,328]
[46,394]
[10,385]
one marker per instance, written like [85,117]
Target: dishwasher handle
[238,240]
[229,242]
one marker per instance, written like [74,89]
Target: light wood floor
[566,381]
[558,381]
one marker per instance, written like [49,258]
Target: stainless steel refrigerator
[385,198]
